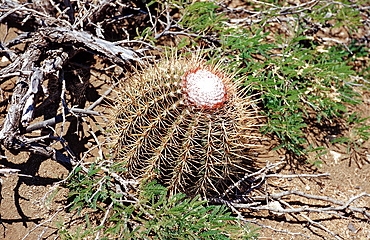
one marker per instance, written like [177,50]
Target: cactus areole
[204,89]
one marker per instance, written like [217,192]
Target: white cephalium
[204,89]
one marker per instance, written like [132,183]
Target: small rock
[276,205]
[336,156]
[352,228]
[4,59]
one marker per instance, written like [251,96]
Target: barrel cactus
[185,123]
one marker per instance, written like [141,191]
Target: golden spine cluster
[162,133]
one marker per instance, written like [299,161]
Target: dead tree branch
[50,47]
[274,202]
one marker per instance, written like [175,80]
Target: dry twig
[273,201]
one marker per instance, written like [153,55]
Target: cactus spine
[185,123]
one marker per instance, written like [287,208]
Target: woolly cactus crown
[204,88]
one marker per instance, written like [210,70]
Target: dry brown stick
[94,12]
[328,210]
[297,175]
[35,81]
[241,218]
[110,50]
[102,97]
[119,179]
[168,24]
[342,205]
[65,33]
[259,173]
[64,106]
[98,144]
[103,221]
[48,123]
[59,118]
[23,14]
[11,11]
[42,233]
[9,171]
[311,221]
[14,74]
[69,10]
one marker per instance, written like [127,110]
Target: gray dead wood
[30,76]
[22,104]
[117,54]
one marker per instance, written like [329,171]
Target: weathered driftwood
[59,43]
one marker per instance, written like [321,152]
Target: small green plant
[178,217]
[202,17]
[151,213]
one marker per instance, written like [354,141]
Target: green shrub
[297,75]
[150,214]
